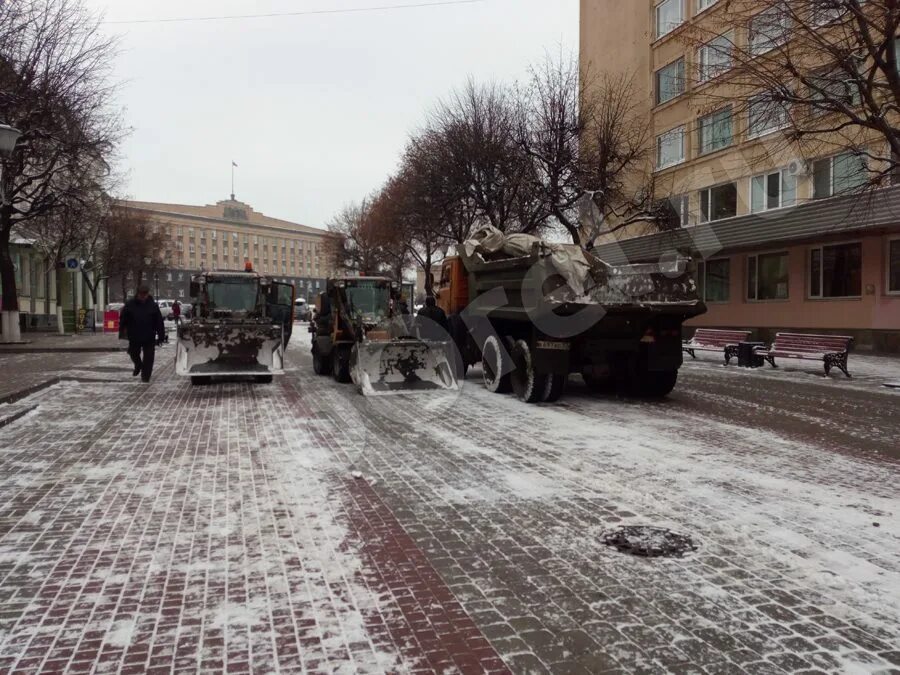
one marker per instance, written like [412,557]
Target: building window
[768,276]
[715,131]
[769,29]
[772,191]
[705,4]
[822,14]
[718,202]
[766,115]
[670,81]
[838,174]
[835,271]
[670,148]
[893,266]
[829,89]
[202,235]
[714,58]
[714,280]
[676,211]
[669,15]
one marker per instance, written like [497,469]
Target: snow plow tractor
[240,326]
[360,336]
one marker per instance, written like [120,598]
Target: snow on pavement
[178,527]
[799,545]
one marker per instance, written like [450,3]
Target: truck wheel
[556,385]
[493,362]
[321,364]
[341,366]
[526,383]
[656,384]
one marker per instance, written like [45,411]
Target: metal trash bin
[746,357]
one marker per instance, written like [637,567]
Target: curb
[63,350]
[16,416]
[25,393]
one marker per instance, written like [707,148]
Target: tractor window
[236,295]
[369,300]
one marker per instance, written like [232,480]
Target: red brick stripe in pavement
[434,629]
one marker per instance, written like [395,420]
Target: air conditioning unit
[797,167]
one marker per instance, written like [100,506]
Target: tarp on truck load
[588,279]
[568,260]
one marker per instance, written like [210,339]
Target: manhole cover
[650,542]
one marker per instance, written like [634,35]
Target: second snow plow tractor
[360,336]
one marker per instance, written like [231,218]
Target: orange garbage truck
[533,313]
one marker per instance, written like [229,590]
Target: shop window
[714,277]
[768,276]
[894,266]
[835,271]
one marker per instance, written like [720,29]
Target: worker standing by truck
[436,326]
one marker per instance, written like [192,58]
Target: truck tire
[656,384]
[527,384]
[341,366]
[321,363]
[492,363]
[556,385]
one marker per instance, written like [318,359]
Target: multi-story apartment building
[780,247]
[226,235]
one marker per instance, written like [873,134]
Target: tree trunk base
[9,327]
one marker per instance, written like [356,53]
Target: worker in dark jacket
[436,319]
[141,323]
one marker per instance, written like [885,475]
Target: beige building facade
[228,234]
[781,248]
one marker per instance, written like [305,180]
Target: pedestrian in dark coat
[141,323]
[176,312]
[436,318]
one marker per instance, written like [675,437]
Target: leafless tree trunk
[54,68]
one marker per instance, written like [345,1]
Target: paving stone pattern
[166,528]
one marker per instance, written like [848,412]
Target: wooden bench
[830,349]
[715,340]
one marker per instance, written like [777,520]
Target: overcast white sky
[314,109]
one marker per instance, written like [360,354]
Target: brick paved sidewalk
[166,528]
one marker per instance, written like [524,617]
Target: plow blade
[402,366]
[222,350]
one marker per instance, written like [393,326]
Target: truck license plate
[555,346]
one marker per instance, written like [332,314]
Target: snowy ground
[221,527]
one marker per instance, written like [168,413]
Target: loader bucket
[229,350]
[401,366]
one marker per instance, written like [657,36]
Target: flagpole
[232,180]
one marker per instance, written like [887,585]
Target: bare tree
[360,247]
[54,87]
[476,130]
[822,73]
[550,126]
[614,161]
[130,248]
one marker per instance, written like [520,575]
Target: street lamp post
[9,318]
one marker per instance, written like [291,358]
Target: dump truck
[532,313]
[240,325]
[361,336]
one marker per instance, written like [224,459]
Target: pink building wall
[875,310]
